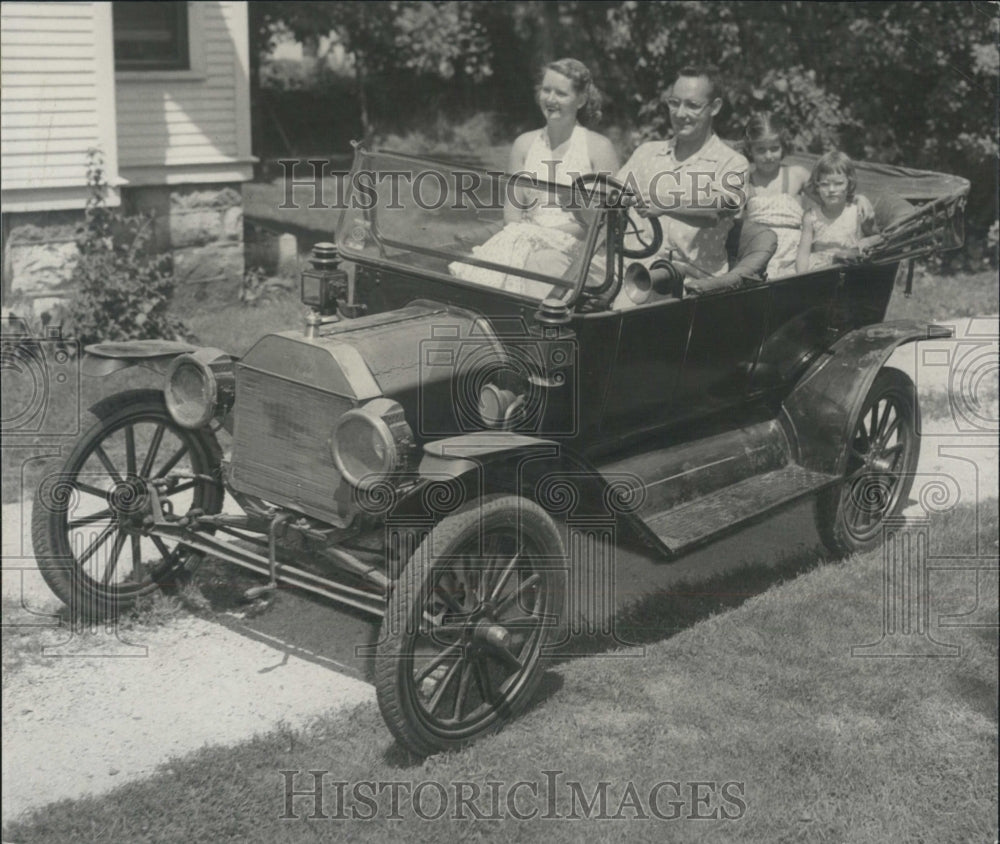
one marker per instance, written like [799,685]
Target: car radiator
[281,445]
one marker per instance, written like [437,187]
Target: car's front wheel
[882,456]
[460,649]
[88,520]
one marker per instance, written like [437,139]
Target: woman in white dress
[538,235]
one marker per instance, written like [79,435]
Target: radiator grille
[281,448]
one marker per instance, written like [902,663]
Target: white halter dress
[536,242]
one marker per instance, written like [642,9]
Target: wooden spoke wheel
[882,456]
[88,519]
[461,645]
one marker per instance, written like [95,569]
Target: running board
[698,521]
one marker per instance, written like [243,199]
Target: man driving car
[693,183]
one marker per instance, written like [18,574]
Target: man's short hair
[704,71]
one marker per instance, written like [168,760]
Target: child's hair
[834,163]
[577,73]
[763,125]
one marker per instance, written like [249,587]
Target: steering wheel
[647,232]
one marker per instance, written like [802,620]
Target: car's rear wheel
[882,456]
[88,519]
[461,645]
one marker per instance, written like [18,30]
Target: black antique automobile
[417,450]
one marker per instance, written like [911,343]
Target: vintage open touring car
[416,450]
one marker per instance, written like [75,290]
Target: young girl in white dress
[835,229]
[774,190]
[539,235]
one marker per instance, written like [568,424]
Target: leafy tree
[910,83]
[388,42]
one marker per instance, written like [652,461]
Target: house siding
[176,142]
[56,102]
[188,126]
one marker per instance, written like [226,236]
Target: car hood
[394,354]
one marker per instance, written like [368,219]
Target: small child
[773,189]
[833,231]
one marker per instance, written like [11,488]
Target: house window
[151,36]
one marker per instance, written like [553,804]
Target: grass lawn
[760,693]
[938,297]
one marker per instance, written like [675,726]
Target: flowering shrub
[121,288]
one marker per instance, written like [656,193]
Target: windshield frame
[566,289]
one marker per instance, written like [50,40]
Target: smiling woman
[540,234]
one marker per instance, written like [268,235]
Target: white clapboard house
[162,90]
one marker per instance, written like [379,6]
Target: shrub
[121,288]
[259,288]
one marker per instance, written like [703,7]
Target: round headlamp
[371,441]
[191,391]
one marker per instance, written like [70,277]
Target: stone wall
[39,252]
[201,225]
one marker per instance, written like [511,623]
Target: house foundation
[201,226]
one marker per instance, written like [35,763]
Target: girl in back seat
[774,189]
[833,231]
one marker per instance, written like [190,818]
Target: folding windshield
[529,238]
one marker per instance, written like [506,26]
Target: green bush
[121,288]
[258,288]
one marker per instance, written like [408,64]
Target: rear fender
[821,412]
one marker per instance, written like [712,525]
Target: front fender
[821,412]
[102,359]
[473,465]
[460,469]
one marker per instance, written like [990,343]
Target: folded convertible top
[915,185]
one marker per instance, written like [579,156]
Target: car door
[648,363]
[725,338]
[801,311]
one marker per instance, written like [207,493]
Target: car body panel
[822,410]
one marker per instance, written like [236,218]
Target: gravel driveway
[100,709]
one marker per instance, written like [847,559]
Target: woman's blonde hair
[577,73]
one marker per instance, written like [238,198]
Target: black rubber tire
[65,570]
[850,515]
[435,570]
